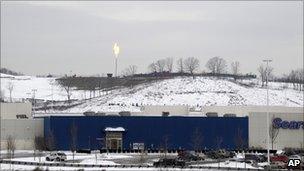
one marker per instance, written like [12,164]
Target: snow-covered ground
[47,88]
[198,92]
[107,159]
[23,167]
[231,164]
[101,159]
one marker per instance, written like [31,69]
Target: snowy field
[198,92]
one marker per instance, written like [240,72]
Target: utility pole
[267,110]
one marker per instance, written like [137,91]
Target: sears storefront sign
[279,123]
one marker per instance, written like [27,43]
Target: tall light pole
[116,50]
[267,110]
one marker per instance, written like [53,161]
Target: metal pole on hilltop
[115,66]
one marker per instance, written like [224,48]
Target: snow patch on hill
[46,88]
[198,92]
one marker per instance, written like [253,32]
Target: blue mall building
[151,131]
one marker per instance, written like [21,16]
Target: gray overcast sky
[59,37]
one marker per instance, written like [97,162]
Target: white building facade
[17,123]
[286,130]
[242,111]
[158,110]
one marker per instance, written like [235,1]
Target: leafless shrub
[10,146]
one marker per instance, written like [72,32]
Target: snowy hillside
[198,92]
[47,88]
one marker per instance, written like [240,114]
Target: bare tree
[10,146]
[66,83]
[296,77]
[131,70]
[169,64]
[152,67]
[160,65]
[292,78]
[235,67]
[216,65]
[99,85]
[39,145]
[143,156]
[164,144]
[196,140]
[50,141]
[268,74]
[265,73]
[2,96]
[73,137]
[239,140]
[191,65]
[10,87]
[301,78]
[261,70]
[180,65]
[218,141]
[273,133]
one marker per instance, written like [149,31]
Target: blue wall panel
[149,130]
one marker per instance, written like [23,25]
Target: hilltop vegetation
[9,72]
